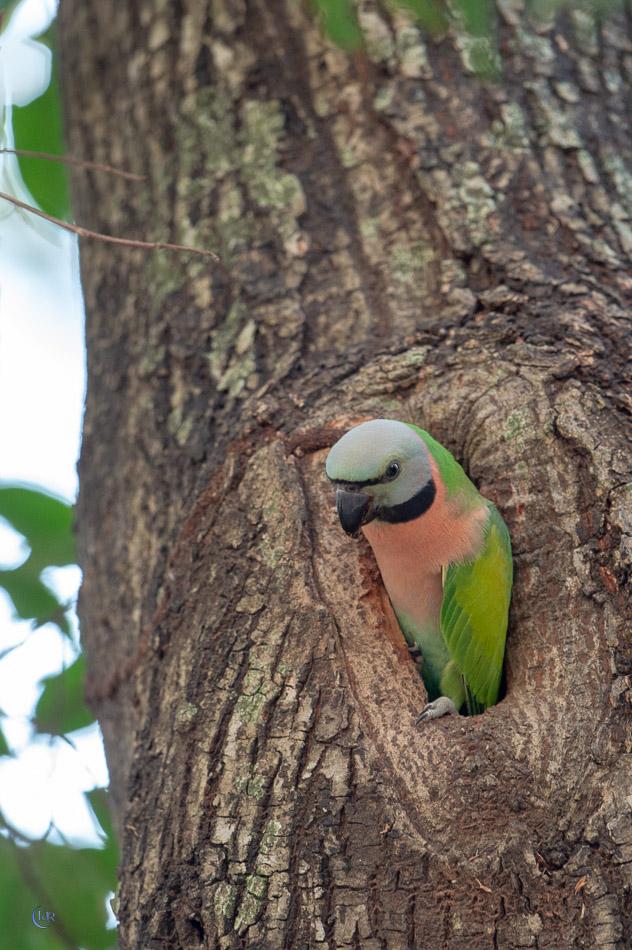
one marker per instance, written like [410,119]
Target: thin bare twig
[125,242]
[77,162]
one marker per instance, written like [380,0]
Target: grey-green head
[382,470]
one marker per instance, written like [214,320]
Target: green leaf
[61,707]
[339,23]
[18,899]
[6,10]
[427,13]
[79,881]
[72,883]
[98,798]
[38,128]
[46,523]
[477,16]
[4,745]
[44,520]
[32,599]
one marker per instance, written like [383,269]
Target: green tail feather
[474,708]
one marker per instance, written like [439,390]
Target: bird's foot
[440,707]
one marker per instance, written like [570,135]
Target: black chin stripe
[411,509]
[352,485]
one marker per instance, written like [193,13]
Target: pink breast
[410,555]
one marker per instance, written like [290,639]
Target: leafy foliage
[71,882]
[38,128]
[61,706]
[339,23]
[37,125]
[473,20]
[46,524]
[430,15]
[4,745]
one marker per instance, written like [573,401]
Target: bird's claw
[440,707]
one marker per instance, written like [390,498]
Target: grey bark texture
[399,238]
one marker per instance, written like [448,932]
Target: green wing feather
[474,612]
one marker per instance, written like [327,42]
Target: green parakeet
[443,552]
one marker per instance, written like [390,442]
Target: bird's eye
[392,471]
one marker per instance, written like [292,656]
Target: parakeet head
[382,470]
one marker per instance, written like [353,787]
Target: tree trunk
[402,239]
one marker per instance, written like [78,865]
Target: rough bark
[399,239]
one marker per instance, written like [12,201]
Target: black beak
[354,509]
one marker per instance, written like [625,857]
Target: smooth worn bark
[399,238]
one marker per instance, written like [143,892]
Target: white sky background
[42,381]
